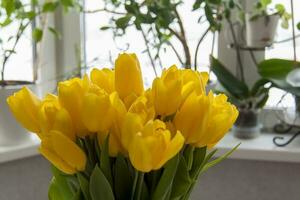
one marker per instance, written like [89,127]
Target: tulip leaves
[163,189]
[100,188]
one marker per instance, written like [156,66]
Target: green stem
[136,175]
[140,185]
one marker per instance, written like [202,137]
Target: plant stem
[140,185]
[176,52]
[103,10]
[198,45]
[236,47]
[293,28]
[148,51]
[136,176]
[10,52]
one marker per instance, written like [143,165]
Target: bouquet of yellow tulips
[109,138]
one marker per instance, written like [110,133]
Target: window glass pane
[101,48]
[20,64]
[284,50]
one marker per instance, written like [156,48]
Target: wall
[28,179]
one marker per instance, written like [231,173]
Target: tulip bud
[128,76]
[166,92]
[153,146]
[63,153]
[204,120]
[24,106]
[104,79]
[54,117]
[97,113]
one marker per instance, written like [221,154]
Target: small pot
[11,133]
[247,125]
[260,31]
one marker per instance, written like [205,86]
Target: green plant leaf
[105,162]
[262,102]
[218,160]
[37,34]
[84,185]
[234,86]
[56,33]
[100,188]
[276,70]
[122,22]
[165,183]
[123,179]
[182,180]
[199,156]
[298,26]
[258,85]
[50,6]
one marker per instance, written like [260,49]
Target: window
[101,49]
[20,64]
[283,50]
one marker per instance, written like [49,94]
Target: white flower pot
[260,32]
[11,133]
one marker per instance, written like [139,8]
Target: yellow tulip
[97,113]
[153,146]
[24,106]
[166,92]
[54,117]
[104,78]
[128,76]
[70,95]
[119,113]
[205,119]
[63,153]
[143,107]
[193,81]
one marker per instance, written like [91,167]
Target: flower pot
[247,125]
[11,133]
[260,31]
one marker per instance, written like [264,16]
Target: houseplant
[108,138]
[261,23]
[248,100]
[25,16]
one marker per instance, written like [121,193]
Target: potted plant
[248,100]
[25,15]
[261,23]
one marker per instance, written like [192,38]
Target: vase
[260,31]
[247,125]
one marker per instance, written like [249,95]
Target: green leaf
[165,183]
[298,26]
[258,85]
[84,185]
[262,102]
[199,156]
[60,187]
[276,70]
[122,22]
[105,161]
[123,179]
[197,4]
[56,34]
[6,22]
[234,86]
[218,160]
[188,155]
[100,188]
[50,6]
[37,34]
[103,28]
[182,180]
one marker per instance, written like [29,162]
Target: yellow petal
[24,106]
[104,79]
[97,113]
[128,76]
[67,150]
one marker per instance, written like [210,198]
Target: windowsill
[260,148]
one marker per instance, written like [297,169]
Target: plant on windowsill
[24,16]
[261,23]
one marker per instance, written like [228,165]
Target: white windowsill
[260,148]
